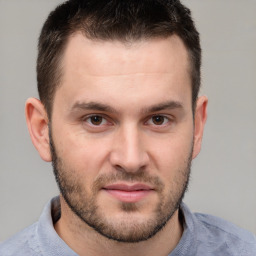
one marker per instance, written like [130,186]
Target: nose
[128,150]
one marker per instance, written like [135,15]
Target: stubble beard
[128,230]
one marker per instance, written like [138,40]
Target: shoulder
[23,243]
[220,232]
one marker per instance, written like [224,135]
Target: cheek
[173,166]
[173,151]
[84,156]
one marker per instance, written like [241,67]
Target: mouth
[129,193]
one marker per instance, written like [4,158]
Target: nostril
[128,152]
[119,168]
[130,174]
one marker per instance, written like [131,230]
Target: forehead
[104,57]
[141,71]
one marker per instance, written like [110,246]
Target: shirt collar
[49,240]
[187,245]
[52,244]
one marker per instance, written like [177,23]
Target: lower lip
[129,196]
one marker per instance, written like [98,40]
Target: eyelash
[87,118]
[165,120]
[106,122]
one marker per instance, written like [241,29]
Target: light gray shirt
[203,235]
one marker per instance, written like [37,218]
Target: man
[120,118]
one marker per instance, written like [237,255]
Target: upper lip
[128,187]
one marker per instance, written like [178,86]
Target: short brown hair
[124,20]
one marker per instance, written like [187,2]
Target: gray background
[224,175]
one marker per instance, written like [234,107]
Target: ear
[37,122]
[199,123]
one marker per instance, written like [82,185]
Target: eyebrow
[169,105]
[92,106]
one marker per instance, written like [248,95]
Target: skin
[134,83]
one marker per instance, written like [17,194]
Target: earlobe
[37,122]
[199,123]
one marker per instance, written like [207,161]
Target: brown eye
[158,120]
[95,120]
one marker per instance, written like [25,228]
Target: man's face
[122,134]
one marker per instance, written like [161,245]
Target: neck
[85,241]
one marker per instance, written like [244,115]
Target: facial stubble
[84,204]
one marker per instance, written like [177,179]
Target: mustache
[123,176]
